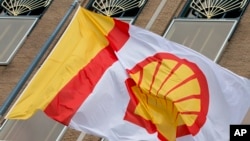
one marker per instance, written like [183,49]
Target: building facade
[168,18]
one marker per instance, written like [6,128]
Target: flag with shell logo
[118,81]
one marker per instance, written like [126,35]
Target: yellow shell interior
[168,94]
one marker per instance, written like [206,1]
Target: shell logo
[168,96]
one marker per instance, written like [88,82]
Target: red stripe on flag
[119,36]
[63,107]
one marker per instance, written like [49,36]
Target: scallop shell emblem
[113,7]
[17,7]
[211,8]
[168,95]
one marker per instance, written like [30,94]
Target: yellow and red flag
[121,82]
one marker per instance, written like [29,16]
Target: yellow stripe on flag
[75,49]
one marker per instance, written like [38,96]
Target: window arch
[126,10]
[214,9]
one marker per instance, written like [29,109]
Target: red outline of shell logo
[168,96]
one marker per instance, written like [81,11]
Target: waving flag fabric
[111,79]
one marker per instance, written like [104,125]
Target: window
[126,10]
[209,37]
[17,18]
[13,33]
[206,25]
[39,127]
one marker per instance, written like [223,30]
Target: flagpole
[36,61]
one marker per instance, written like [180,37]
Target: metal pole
[35,62]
